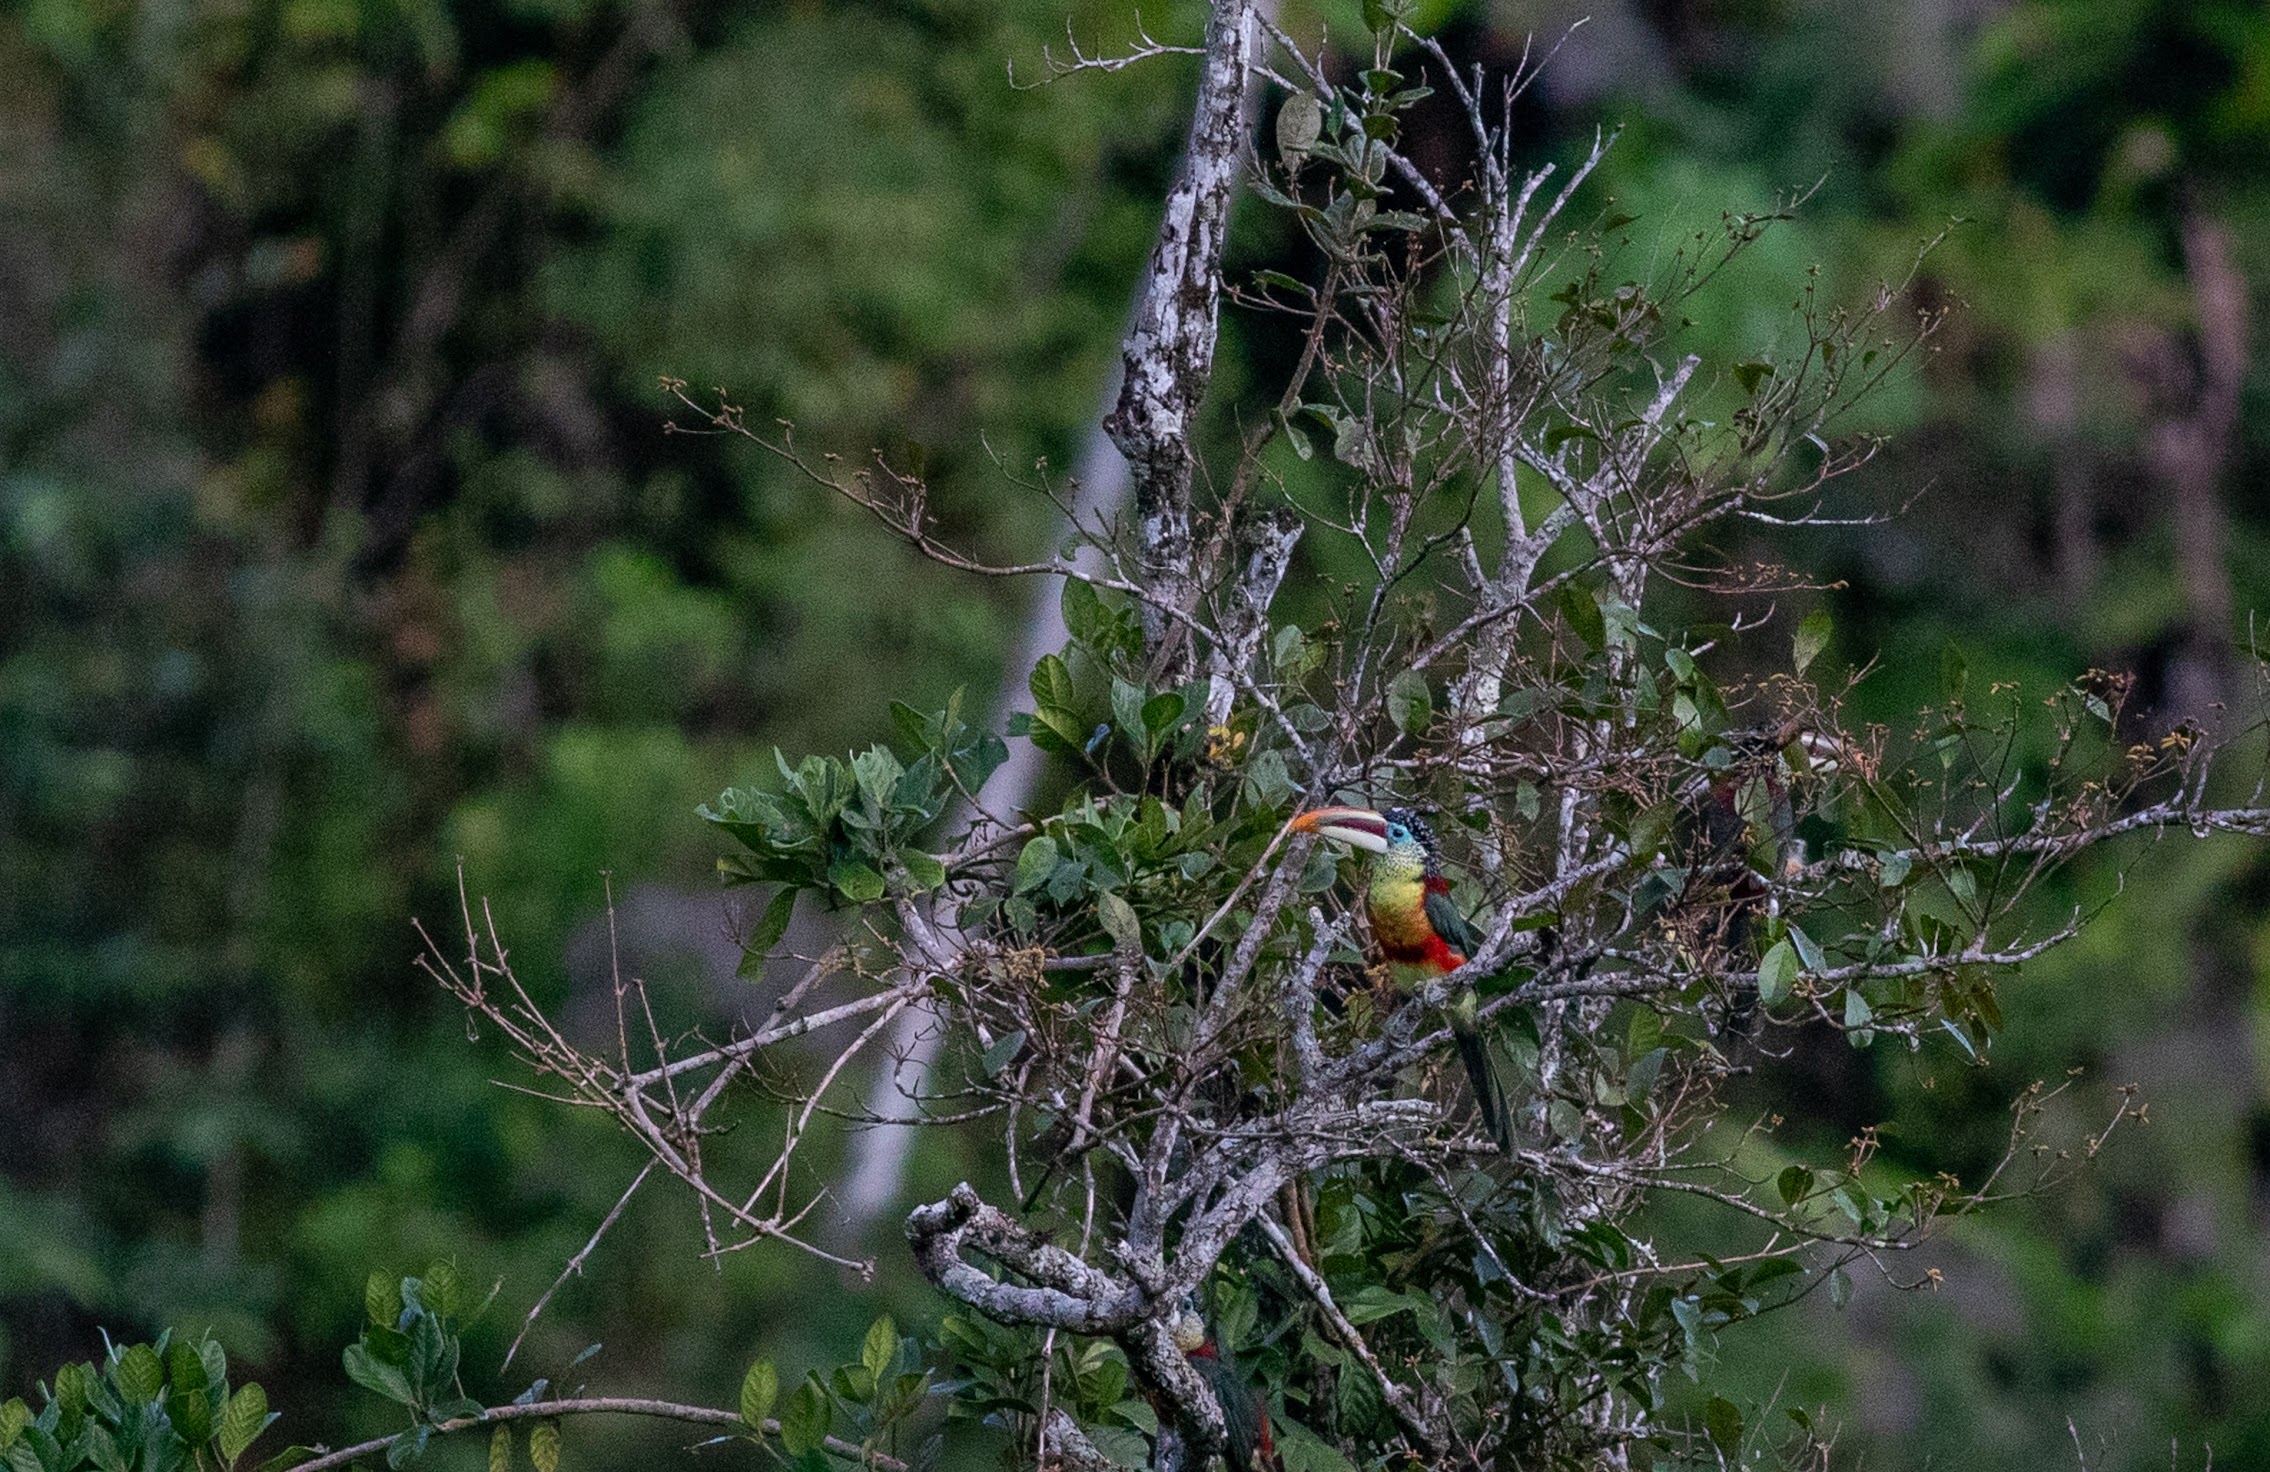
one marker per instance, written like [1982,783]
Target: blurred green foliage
[339,539]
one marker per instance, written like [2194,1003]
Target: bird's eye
[1396,832]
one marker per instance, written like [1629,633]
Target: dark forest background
[340,540]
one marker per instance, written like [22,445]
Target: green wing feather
[1452,926]
[1473,1047]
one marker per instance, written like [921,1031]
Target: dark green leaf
[855,881]
[1723,1420]
[1750,375]
[500,1449]
[140,1376]
[771,926]
[1794,1183]
[189,1404]
[372,1373]
[1003,1052]
[1840,1287]
[1582,611]
[804,1421]
[1640,1082]
[1267,783]
[1410,704]
[1035,863]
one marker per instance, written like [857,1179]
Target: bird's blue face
[1398,833]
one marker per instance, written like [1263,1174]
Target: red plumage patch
[1434,953]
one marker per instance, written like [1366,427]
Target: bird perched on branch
[1250,1444]
[1749,816]
[1420,933]
[1748,843]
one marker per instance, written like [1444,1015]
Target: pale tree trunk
[2188,451]
[1142,450]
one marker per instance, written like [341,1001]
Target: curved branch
[604,1405]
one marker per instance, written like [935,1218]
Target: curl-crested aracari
[1420,933]
[1249,1441]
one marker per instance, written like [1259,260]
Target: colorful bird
[1250,1444]
[1421,935]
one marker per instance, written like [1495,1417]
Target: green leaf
[242,1421]
[880,1346]
[1410,704]
[1382,15]
[1794,1183]
[544,1446]
[1085,617]
[1127,708]
[1034,864]
[140,1376]
[803,1422]
[1840,1287]
[15,1416]
[189,1405]
[1777,973]
[1812,637]
[500,1448]
[760,1390]
[1161,712]
[1299,123]
[374,1374]
[779,910]
[1640,1082]
[923,872]
[101,1448]
[1051,684]
[408,1447]
[71,1387]
[1750,375]
[1954,674]
[1582,611]
[1893,871]
[855,881]
[1267,783]
[1857,1013]
[1374,1301]
[1003,1052]
[1723,1420]
[1119,920]
[439,1288]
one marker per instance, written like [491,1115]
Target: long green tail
[1482,1073]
